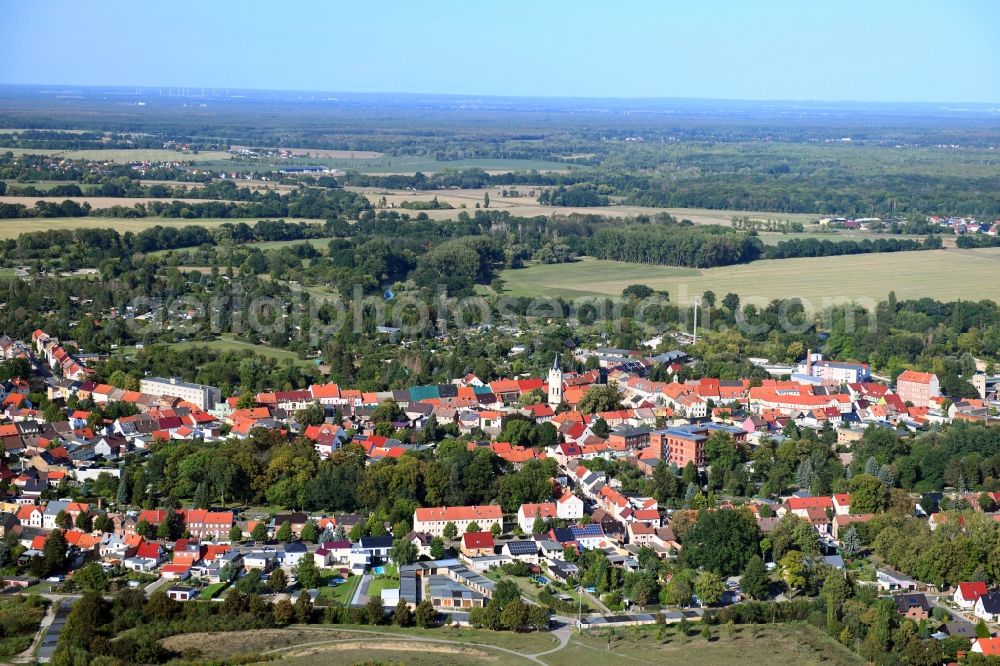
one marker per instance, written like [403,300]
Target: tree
[303,608]
[709,588]
[252,582]
[982,630]
[64,520]
[403,552]
[496,530]
[235,533]
[313,415]
[450,531]
[600,398]
[473,527]
[868,494]
[514,616]
[307,572]
[538,526]
[84,522]
[721,541]
[505,592]
[284,534]
[793,570]
[259,531]
[600,427]
[425,615]
[852,542]
[277,581]
[91,578]
[144,529]
[284,612]
[310,532]
[122,493]
[437,548]
[754,579]
[202,499]
[54,551]
[402,616]
[375,610]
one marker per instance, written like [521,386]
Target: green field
[227,344]
[124,154]
[942,274]
[15,227]
[798,644]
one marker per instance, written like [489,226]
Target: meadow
[946,274]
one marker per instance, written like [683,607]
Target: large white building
[837,372]
[201,395]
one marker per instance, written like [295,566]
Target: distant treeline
[305,203]
[98,244]
[966,241]
[812,247]
[576,195]
[675,245]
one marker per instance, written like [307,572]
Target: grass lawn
[946,274]
[213,590]
[226,344]
[760,645]
[376,586]
[20,617]
[343,593]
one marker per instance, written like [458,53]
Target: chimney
[809,361]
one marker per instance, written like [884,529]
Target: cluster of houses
[658,421]
[966,225]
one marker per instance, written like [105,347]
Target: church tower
[555,383]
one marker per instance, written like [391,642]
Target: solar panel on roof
[592,529]
[522,547]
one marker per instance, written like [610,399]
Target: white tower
[555,383]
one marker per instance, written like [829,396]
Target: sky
[858,50]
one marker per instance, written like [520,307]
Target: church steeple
[555,383]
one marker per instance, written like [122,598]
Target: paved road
[361,592]
[50,638]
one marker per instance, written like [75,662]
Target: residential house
[478,544]
[527,514]
[914,606]
[967,594]
[988,607]
[569,507]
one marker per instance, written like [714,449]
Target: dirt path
[562,634]
[28,656]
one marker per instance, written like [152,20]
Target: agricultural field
[940,274]
[13,228]
[324,153]
[527,205]
[97,202]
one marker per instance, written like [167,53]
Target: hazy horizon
[892,52]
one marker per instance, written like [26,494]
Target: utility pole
[694,330]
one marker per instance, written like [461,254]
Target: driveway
[361,593]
